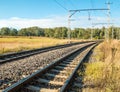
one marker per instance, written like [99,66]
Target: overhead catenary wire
[61,5]
[72,4]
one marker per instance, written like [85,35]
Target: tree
[80,33]
[49,32]
[64,32]
[5,31]
[13,32]
[31,31]
[87,33]
[57,33]
[23,32]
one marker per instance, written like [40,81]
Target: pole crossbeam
[88,9]
[79,10]
[101,23]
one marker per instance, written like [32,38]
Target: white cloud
[53,21]
[24,22]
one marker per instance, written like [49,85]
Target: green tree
[64,32]
[57,33]
[13,32]
[49,32]
[23,32]
[31,31]
[5,31]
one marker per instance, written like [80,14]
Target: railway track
[54,77]
[14,56]
[75,83]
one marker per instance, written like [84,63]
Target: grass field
[15,44]
[104,73]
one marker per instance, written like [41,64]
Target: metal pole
[105,33]
[112,33]
[92,32]
[108,5]
[118,34]
[69,27]
[108,23]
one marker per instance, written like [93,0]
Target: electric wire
[61,5]
[72,4]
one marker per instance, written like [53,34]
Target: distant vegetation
[60,32]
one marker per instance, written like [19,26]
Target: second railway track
[56,76]
[14,56]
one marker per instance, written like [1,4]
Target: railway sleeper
[70,59]
[50,82]
[65,72]
[46,85]
[65,68]
[66,62]
[43,85]
[62,73]
[58,71]
[38,89]
[57,76]
[68,65]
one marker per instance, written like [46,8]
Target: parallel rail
[14,56]
[46,79]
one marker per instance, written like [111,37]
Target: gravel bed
[11,72]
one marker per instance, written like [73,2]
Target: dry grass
[105,72]
[15,44]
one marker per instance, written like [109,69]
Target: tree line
[61,32]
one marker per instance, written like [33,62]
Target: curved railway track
[14,56]
[56,76]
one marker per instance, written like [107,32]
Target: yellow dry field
[15,44]
[111,51]
[103,73]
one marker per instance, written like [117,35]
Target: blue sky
[47,13]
